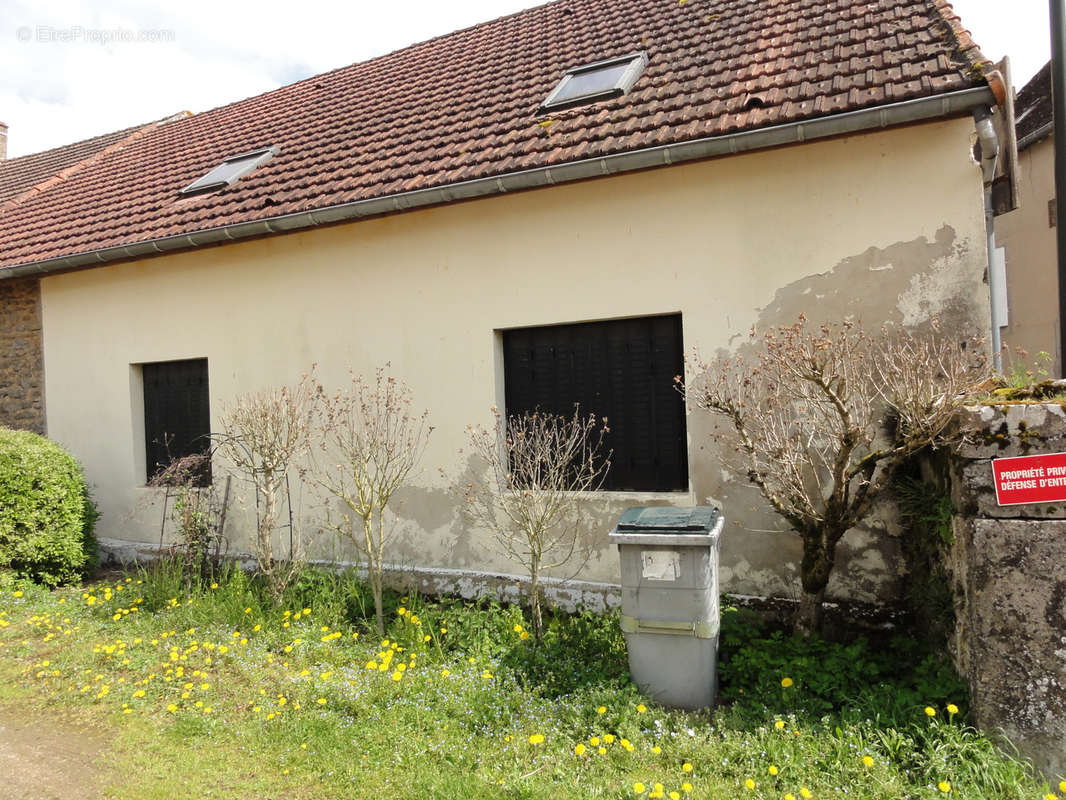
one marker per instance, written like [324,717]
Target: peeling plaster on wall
[899,273]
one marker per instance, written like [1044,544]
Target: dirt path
[43,757]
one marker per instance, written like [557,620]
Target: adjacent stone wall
[1009,571]
[21,356]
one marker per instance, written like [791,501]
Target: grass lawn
[216,692]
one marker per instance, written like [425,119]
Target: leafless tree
[370,443]
[823,416]
[264,434]
[538,466]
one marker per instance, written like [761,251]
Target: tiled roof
[463,106]
[18,175]
[1033,108]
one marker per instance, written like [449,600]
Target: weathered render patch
[909,283]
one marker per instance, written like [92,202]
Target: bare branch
[823,416]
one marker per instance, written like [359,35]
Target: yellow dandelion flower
[536,738]
[656,749]
[321,701]
[601,750]
[1062,786]
[867,761]
[675,795]
[445,673]
[930,711]
[772,769]
[749,784]
[397,675]
[579,749]
[687,767]
[686,787]
[790,796]
[523,635]
[601,710]
[779,724]
[638,787]
[806,793]
[786,682]
[608,738]
[594,741]
[641,708]
[1050,796]
[944,786]
[517,629]
[952,709]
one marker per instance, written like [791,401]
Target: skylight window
[226,173]
[601,80]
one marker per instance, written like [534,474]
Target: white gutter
[927,108]
[986,134]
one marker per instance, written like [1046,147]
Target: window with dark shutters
[622,370]
[177,417]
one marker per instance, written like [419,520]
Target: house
[1028,233]
[554,206]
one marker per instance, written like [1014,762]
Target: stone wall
[21,356]
[1008,565]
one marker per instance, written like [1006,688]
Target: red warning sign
[1030,479]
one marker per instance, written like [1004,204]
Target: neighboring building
[21,359]
[551,207]
[1029,237]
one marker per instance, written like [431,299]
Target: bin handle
[701,629]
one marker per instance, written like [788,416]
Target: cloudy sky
[75,68]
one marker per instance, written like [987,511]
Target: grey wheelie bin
[670,614]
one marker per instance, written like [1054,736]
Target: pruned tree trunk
[819,557]
[809,614]
[534,604]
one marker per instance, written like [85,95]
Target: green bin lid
[668,519]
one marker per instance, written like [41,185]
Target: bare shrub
[538,466]
[370,442]
[196,510]
[264,434]
[824,416]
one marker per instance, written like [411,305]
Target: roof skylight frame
[559,98]
[230,171]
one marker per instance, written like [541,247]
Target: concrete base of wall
[570,595]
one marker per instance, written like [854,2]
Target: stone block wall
[1008,566]
[21,355]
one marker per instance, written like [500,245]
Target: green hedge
[46,514]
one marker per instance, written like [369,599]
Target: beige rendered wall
[1032,271]
[882,226]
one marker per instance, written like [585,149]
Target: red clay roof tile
[463,106]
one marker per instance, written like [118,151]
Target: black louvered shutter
[623,370]
[177,416]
